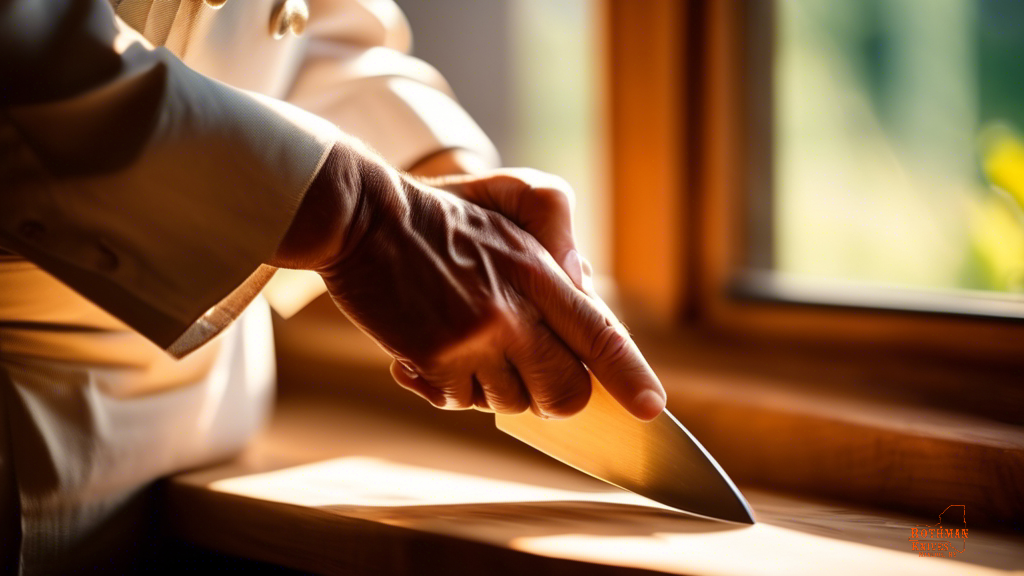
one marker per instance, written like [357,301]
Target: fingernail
[588,276]
[573,266]
[408,370]
[648,404]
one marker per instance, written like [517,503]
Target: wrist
[328,214]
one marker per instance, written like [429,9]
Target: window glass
[899,142]
[558,124]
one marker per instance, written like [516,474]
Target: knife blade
[659,459]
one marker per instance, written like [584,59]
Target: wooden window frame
[690,159]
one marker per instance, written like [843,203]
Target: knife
[659,459]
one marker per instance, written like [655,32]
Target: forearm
[333,211]
[323,220]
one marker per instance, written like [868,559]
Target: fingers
[479,398]
[451,390]
[581,327]
[546,212]
[578,269]
[416,385]
[502,389]
[598,339]
[558,384]
[496,387]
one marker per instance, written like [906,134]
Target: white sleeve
[150,189]
[359,75]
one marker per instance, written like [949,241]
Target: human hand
[474,310]
[539,203]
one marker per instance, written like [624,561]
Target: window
[806,203]
[898,155]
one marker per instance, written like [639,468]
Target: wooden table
[333,489]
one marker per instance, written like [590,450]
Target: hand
[474,310]
[539,203]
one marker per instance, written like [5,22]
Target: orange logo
[945,539]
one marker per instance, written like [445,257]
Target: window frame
[681,120]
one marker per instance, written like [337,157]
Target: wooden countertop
[333,489]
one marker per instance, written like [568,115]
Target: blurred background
[529,72]
[896,149]
[896,139]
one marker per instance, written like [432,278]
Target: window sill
[332,488]
[803,423]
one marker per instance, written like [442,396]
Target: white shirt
[141,198]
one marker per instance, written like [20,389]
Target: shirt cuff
[170,241]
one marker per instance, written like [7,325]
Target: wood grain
[338,491]
[647,64]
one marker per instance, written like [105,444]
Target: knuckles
[611,345]
[547,190]
[457,402]
[489,289]
[510,403]
[561,199]
[564,397]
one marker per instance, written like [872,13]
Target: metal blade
[659,459]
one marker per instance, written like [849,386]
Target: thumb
[562,248]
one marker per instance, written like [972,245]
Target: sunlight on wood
[610,527]
[363,481]
[376,489]
[758,550]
